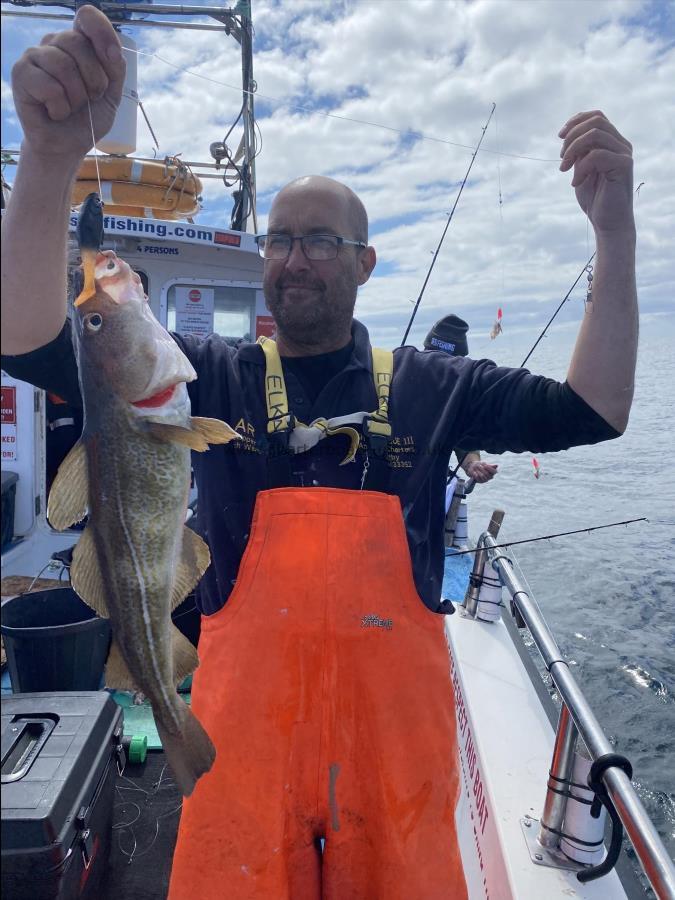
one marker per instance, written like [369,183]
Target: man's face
[313,300]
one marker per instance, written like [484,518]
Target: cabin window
[203,309]
[144,281]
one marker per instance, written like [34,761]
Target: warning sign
[194,310]
[8,423]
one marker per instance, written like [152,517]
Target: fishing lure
[497,327]
[90,240]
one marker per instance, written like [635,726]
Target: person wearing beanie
[449,336]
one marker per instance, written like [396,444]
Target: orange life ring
[142,196]
[136,171]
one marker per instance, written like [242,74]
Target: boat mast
[247,186]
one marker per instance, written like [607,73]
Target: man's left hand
[603,170]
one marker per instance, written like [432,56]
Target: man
[449,336]
[324,674]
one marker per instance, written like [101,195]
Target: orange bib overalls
[325,687]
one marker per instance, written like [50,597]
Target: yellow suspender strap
[383,368]
[278,418]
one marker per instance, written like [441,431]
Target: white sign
[133,227]
[194,310]
[8,423]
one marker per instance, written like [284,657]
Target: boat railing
[610,773]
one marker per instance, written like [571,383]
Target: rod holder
[470,603]
[553,816]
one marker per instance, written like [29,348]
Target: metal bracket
[545,856]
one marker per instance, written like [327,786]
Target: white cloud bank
[436,67]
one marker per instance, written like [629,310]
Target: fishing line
[501,213]
[327,115]
[93,137]
[149,796]
[447,225]
[548,537]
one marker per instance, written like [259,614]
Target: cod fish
[136,560]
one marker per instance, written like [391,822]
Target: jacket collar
[361,357]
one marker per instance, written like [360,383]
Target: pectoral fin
[175,434]
[69,495]
[198,437]
[214,431]
[85,574]
[193,562]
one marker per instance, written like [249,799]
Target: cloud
[434,67]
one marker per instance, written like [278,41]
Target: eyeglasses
[314,246]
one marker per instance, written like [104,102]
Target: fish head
[121,347]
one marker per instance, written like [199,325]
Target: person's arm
[602,369]
[53,85]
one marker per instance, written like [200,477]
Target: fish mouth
[160,398]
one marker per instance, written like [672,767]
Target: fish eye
[94,322]
[111,264]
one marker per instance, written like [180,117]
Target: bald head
[337,194]
[312,300]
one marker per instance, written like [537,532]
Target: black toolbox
[61,753]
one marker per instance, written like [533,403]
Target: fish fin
[68,497]
[85,575]
[193,562]
[214,431]
[189,752]
[117,674]
[176,434]
[185,659]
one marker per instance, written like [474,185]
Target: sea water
[608,596]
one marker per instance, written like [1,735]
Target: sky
[430,70]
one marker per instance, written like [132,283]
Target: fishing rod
[547,537]
[447,225]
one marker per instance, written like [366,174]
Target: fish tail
[189,751]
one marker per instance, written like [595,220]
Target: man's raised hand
[54,83]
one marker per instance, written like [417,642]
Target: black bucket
[54,642]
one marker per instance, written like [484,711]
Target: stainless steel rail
[649,848]
[160,9]
[145,23]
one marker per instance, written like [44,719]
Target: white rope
[327,115]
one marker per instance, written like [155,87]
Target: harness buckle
[279,432]
[377,433]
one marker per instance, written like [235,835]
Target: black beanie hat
[448,334]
